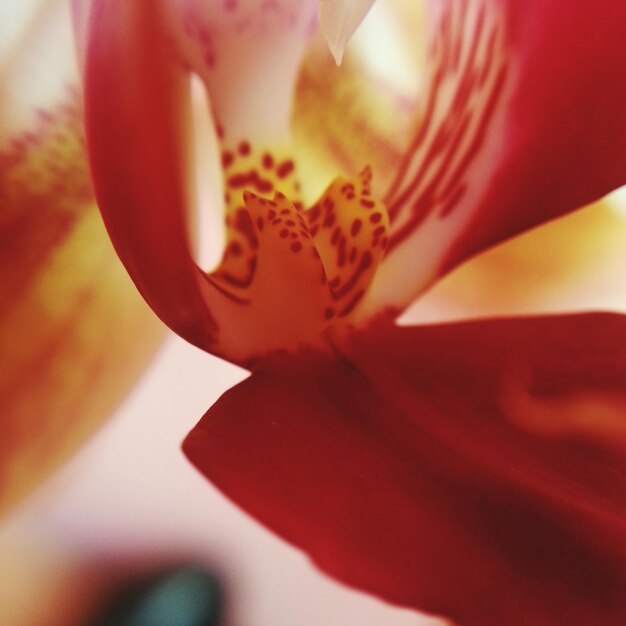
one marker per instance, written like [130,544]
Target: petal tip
[339,21]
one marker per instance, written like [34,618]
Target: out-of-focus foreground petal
[444,468]
[522,122]
[73,333]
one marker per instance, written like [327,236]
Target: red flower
[474,470]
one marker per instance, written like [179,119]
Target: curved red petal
[407,479]
[135,103]
[523,122]
[567,144]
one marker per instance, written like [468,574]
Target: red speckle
[260,223]
[235,248]
[329,313]
[355,228]
[376,217]
[341,253]
[263,185]
[237,181]
[285,212]
[267,161]
[284,233]
[290,223]
[368,204]
[296,246]
[244,225]
[227,158]
[244,148]
[271,214]
[335,236]
[284,169]
[314,213]
[379,231]
[329,220]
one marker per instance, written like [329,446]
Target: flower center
[290,273]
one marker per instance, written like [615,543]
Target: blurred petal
[413,478]
[29,88]
[522,122]
[247,53]
[15,19]
[339,19]
[73,333]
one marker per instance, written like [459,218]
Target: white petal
[339,20]
[39,70]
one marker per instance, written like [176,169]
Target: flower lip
[289,275]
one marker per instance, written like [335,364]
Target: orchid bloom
[449,468]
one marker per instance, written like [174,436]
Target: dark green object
[186,596]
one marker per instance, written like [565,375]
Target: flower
[473,470]
[73,333]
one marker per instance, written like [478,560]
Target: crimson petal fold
[136,96]
[406,472]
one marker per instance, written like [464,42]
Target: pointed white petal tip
[339,20]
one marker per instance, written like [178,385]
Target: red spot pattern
[345,232]
[284,169]
[350,243]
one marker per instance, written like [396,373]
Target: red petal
[524,122]
[134,108]
[408,481]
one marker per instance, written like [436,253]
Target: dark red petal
[134,100]
[523,122]
[407,479]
